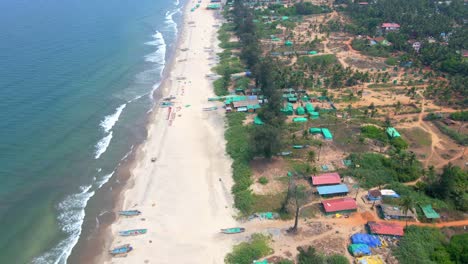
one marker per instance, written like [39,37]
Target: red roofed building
[340,205]
[326,179]
[386,229]
[390,27]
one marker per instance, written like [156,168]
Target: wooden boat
[133,232]
[129,212]
[210,108]
[233,230]
[120,250]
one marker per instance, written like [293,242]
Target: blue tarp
[332,189]
[359,249]
[370,240]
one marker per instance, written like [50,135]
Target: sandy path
[183,200]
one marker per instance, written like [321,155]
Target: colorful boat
[233,230]
[129,212]
[133,232]
[120,250]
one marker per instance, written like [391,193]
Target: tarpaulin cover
[359,249]
[370,240]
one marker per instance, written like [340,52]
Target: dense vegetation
[375,170]
[427,245]
[247,252]
[310,256]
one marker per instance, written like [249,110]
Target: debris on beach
[233,230]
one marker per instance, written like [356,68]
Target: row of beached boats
[126,248]
[122,250]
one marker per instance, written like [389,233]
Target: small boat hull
[133,232]
[124,249]
[129,212]
[234,230]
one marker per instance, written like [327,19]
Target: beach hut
[392,132]
[288,110]
[299,120]
[315,130]
[288,43]
[385,229]
[339,206]
[332,190]
[284,18]
[331,178]
[300,110]
[429,212]
[312,52]
[314,115]
[292,99]
[309,108]
[258,121]
[395,212]
[327,135]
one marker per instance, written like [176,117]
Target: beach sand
[184,196]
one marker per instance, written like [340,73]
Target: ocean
[76,84]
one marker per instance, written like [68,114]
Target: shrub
[263,180]
[460,116]
[247,252]
[374,132]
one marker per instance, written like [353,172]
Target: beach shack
[339,206]
[314,115]
[366,239]
[288,109]
[331,178]
[243,103]
[429,212]
[315,130]
[299,120]
[300,110]
[394,212]
[333,190]
[309,107]
[385,229]
[392,132]
[327,135]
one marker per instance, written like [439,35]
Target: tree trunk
[296,220]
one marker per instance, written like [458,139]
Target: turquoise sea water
[75,84]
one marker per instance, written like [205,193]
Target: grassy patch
[453,134]
[418,137]
[268,203]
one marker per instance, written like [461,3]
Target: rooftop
[332,189]
[340,204]
[384,228]
[390,25]
[326,179]
[391,210]
[429,212]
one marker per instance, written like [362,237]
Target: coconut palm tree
[407,205]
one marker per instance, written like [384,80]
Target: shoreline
[99,238]
[157,124]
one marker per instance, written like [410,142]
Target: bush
[220,87]
[374,132]
[247,252]
[391,61]
[422,245]
[312,257]
[461,139]
[458,248]
[263,180]
[460,116]
[399,143]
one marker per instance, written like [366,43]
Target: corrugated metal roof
[429,212]
[384,228]
[332,189]
[340,204]
[326,179]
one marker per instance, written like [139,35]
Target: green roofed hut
[284,18]
[214,6]
[315,130]
[288,43]
[258,121]
[300,110]
[312,52]
[314,115]
[288,110]
[392,132]
[292,99]
[429,212]
[299,120]
[327,135]
[309,108]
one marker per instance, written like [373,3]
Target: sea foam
[109,121]
[102,145]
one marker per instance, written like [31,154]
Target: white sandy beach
[183,201]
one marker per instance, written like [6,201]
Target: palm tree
[407,205]
[311,155]
[320,150]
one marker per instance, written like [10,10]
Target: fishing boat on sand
[233,230]
[121,250]
[133,232]
[129,212]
